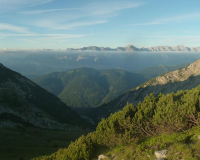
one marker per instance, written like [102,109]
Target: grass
[184,145]
[25,144]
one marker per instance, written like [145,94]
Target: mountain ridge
[181,79]
[86,87]
[133,48]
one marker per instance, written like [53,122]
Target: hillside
[167,122]
[86,87]
[182,79]
[23,103]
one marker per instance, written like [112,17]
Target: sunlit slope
[86,87]
[182,79]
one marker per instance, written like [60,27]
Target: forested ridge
[87,87]
[167,121]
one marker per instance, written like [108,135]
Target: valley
[36,123]
[43,130]
[86,87]
[99,80]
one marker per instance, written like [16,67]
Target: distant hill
[181,79]
[86,87]
[133,48]
[23,103]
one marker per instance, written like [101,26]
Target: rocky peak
[131,48]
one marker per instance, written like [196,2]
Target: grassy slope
[184,145]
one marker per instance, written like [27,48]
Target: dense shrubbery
[172,113]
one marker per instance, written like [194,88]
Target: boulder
[161,154]
[102,157]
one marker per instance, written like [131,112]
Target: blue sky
[61,24]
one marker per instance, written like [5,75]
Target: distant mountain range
[133,48]
[23,103]
[181,79]
[86,87]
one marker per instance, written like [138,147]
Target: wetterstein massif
[133,48]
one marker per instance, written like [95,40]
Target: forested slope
[86,87]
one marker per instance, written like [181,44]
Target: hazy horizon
[51,24]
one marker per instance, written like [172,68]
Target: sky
[62,24]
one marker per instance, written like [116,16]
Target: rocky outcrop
[102,157]
[161,154]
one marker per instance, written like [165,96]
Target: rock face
[132,48]
[24,103]
[161,154]
[182,79]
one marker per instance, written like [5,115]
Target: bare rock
[102,157]
[161,154]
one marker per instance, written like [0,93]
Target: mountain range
[181,79]
[133,48]
[86,87]
[36,64]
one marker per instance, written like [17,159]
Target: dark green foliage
[87,87]
[173,113]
